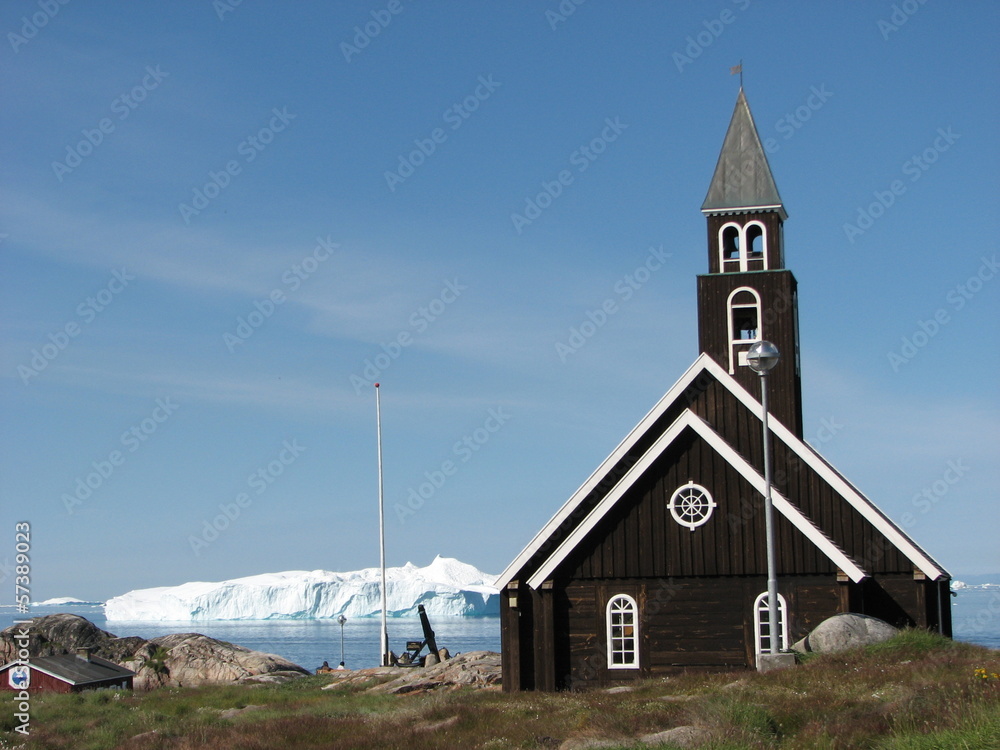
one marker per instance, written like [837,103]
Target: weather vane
[737,69]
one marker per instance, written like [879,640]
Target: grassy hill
[916,691]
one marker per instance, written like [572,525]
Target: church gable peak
[742,182]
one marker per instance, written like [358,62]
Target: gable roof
[74,670]
[742,180]
[577,527]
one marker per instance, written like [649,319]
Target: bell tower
[748,295]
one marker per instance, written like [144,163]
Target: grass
[915,692]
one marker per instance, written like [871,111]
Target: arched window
[730,239]
[622,632]
[744,324]
[739,245]
[755,242]
[761,625]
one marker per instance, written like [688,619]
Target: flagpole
[384,639]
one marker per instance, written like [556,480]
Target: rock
[232,713]
[686,737]
[845,631]
[473,669]
[444,654]
[436,726]
[180,659]
[590,743]
[430,660]
[194,659]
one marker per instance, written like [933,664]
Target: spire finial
[738,69]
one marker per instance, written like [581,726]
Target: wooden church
[657,563]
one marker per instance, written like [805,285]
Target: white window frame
[631,608]
[741,262]
[734,359]
[709,505]
[760,621]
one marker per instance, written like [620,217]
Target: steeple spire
[742,181]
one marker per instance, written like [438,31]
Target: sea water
[975,617]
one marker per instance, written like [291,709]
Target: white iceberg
[446,587]
[63,601]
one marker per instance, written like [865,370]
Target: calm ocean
[976,617]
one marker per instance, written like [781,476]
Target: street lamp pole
[342,620]
[762,357]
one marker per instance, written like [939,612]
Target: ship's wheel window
[691,505]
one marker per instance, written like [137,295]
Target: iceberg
[446,588]
[65,601]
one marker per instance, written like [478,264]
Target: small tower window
[755,240]
[741,245]
[744,324]
[731,242]
[762,640]
[623,632]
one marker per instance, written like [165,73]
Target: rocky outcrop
[189,659]
[179,659]
[473,669]
[842,632]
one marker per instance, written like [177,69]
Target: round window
[691,505]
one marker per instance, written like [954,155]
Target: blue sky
[221,222]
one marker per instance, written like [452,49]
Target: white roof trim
[809,455]
[689,419]
[601,471]
[839,484]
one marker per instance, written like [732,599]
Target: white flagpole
[384,659]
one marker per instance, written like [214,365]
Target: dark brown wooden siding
[640,539]
[778,324]
[800,483]
[683,623]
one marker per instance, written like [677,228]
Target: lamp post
[762,357]
[341,620]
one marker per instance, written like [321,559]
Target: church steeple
[742,179]
[747,294]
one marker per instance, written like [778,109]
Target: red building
[65,673]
